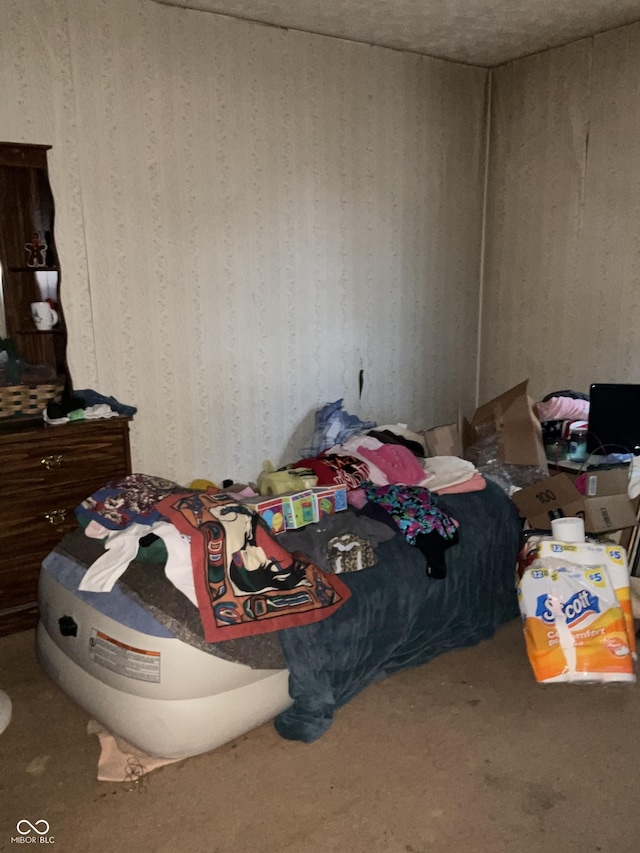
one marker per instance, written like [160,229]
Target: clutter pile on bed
[180,617]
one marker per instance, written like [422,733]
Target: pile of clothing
[390,477]
[85,405]
[564,415]
[243,579]
[216,551]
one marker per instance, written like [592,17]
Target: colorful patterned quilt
[246,583]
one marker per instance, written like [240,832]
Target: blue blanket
[398,618]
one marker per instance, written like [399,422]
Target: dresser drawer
[24,543]
[45,472]
[42,460]
[46,511]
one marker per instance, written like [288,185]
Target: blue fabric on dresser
[398,618]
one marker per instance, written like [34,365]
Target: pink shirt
[396,462]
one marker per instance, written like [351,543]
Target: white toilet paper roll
[568,529]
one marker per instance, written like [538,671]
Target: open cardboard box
[604,507]
[517,427]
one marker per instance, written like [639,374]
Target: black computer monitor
[614,418]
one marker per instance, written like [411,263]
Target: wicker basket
[28,400]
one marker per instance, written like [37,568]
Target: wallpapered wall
[562,272]
[248,217]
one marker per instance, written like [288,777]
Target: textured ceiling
[478,32]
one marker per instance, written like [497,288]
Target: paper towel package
[574,627]
[270,508]
[330,499]
[299,509]
[591,554]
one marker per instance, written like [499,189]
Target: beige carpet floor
[466,753]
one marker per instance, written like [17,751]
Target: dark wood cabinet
[45,472]
[28,256]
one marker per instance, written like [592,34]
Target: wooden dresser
[45,472]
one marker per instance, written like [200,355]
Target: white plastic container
[578,441]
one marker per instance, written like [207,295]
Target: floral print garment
[413,508]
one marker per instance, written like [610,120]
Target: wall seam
[483,229]
[82,204]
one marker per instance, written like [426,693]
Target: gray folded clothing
[314,539]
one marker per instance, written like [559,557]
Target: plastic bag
[284,480]
[485,455]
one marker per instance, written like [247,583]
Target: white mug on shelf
[44,316]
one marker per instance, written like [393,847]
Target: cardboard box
[609,481]
[606,506]
[518,429]
[300,508]
[270,509]
[330,499]
[444,440]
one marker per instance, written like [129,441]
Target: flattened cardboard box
[607,508]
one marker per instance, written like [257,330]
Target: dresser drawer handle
[53,461]
[56,516]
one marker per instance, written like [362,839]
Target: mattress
[136,659]
[126,669]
